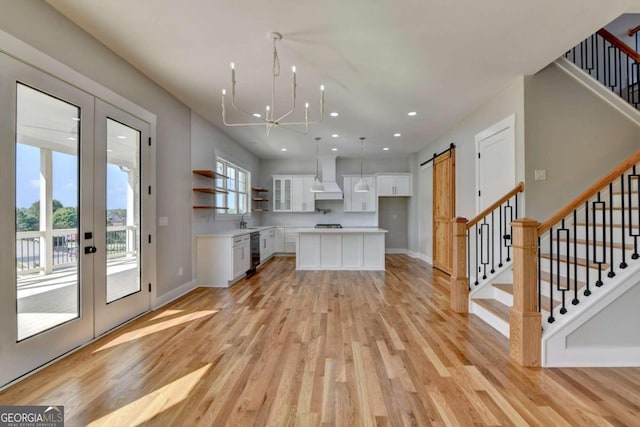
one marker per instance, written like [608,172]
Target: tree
[25,221]
[65,218]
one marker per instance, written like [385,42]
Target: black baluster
[508,218]
[539,277]
[575,300]
[484,247]
[603,258]
[611,272]
[597,58]
[469,259]
[501,235]
[493,249]
[587,291]
[551,318]
[477,255]
[632,233]
[562,289]
[623,264]
[582,55]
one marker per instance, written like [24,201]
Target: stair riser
[491,319]
[617,216]
[617,199]
[582,252]
[582,275]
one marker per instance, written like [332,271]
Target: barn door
[444,209]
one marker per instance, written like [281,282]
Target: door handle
[90,250]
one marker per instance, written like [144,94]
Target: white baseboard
[418,255]
[173,294]
[394,251]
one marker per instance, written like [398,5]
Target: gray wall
[572,134]
[393,216]
[509,101]
[37,24]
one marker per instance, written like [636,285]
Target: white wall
[40,26]
[509,101]
[572,134]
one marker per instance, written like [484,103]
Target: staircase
[563,291]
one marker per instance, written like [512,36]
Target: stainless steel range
[328,226]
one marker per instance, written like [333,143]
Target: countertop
[345,230]
[237,231]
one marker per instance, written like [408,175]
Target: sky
[65,179]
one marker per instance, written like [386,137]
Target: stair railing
[558,263]
[610,61]
[482,247]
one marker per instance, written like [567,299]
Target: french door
[71,259]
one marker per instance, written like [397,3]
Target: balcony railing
[64,246]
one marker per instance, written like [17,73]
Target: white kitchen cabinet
[241,255]
[279,242]
[290,236]
[222,259]
[340,249]
[267,244]
[359,202]
[282,193]
[292,193]
[398,185]
[302,199]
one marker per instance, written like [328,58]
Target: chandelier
[270,120]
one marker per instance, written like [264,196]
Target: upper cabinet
[293,193]
[394,185]
[359,202]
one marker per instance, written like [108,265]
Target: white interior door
[46,183]
[496,171]
[122,156]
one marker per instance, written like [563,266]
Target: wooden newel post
[525,319]
[459,285]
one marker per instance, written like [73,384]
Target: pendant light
[361,186]
[317,186]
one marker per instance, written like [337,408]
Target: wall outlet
[163,221]
[540,174]
[180,271]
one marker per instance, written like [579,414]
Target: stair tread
[580,261]
[583,224]
[545,301]
[495,307]
[615,245]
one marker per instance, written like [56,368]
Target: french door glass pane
[123,210]
[47,183]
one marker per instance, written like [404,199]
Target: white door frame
[507,124]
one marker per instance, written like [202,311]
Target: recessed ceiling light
[335,135]
[386,148]
[334,114]
[411,113]
[258,115]
[283,149]
[397,135]
[71,138]
[122,137]
[77,119]
[334,149]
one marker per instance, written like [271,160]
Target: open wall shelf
[259,199]
[213,190]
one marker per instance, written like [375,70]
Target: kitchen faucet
[243,223]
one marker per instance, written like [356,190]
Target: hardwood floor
[321,348]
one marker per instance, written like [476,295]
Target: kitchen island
[353,248]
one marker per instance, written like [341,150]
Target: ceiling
[378,59]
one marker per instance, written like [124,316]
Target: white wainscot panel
[352,250]
[308,251]
[330,251]
[373,250]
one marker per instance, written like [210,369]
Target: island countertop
[345,230]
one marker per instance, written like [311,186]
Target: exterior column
[46,210]
[131,212]
[459,284]
[525,320]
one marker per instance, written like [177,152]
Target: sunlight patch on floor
[148,406]
[156,327]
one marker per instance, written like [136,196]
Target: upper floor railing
[612,62]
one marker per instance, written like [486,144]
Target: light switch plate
[540,174]
[163,221]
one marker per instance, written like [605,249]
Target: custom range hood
[332,190]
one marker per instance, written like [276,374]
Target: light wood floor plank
[322,349]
